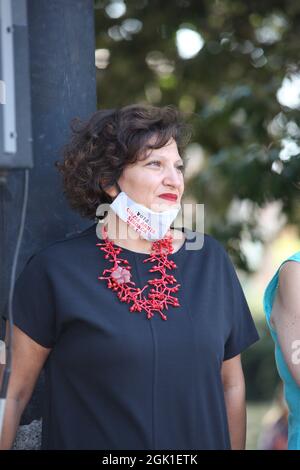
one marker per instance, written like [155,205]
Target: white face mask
[149,224]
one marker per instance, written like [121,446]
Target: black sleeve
[33,304]
[242,330]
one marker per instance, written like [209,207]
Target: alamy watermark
[191,215]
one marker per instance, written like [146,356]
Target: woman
[281,306]
[140,337]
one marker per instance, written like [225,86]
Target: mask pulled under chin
[149,224]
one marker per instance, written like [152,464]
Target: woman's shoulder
[61,248]
[289,282]
[201,243]
[283,287]
[281,300]
[287,272]
[290,267]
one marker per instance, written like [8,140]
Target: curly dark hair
[100,148]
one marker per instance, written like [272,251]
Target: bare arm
[285,316]
[234,393]
[28,358]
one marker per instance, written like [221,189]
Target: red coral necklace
[118,278]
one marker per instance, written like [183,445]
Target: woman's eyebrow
[162,156]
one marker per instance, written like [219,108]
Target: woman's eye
[180,167]
[154,161]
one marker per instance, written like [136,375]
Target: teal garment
[291,388]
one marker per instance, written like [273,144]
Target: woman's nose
[173,177]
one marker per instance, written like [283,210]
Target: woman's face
[159,173]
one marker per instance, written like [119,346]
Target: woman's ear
[105,186]
[111,190]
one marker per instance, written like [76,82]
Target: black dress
[117,380]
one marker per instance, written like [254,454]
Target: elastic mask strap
[118,186]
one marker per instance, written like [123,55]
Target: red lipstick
[169,196]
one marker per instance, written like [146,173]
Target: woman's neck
[126,237]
